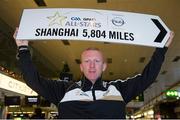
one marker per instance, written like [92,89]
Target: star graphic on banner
[56,19]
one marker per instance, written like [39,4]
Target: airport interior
[60,59]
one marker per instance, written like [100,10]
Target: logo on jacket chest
[78,95]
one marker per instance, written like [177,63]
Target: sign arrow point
[162,32]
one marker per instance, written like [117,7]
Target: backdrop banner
[93,25]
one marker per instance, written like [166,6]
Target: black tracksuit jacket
[83,99]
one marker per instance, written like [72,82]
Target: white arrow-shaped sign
[93,25]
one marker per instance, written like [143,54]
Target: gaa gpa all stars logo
[51,30]
[56,19]
[69,20]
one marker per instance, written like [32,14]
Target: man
[90,97]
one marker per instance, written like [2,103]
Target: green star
[56,19]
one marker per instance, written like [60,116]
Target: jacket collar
[88,85]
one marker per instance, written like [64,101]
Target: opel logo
[117,21]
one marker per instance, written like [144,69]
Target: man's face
[92,64]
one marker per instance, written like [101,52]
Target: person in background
[90,97]
[37,114]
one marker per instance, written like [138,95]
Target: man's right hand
[170,39]
[19,42]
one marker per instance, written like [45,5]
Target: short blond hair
[95,49]
[92,48]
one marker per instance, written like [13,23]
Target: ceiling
[50,56]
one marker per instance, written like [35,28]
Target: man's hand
[170,39]
[20,42]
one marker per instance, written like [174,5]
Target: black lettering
[61,32]
[37,32]
[112,35]
[121,36]
[43,32]
[131,36]
[126,36]
[72,33]
[48,32]
[66,32]
[77,32]
[55,32]
[117,35]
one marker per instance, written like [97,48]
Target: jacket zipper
[93,93]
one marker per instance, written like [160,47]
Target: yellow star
[56,19]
